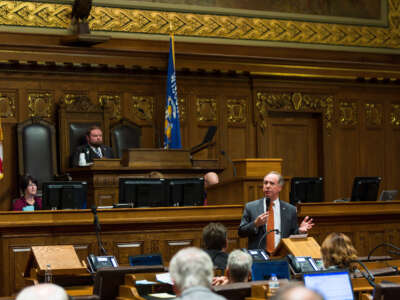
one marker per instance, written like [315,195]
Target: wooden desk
[368,224]
[125,232]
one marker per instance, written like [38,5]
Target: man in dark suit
[93,149]
[281,216]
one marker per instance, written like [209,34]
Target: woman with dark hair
[338,252]
[29,201]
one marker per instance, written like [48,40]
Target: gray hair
[239,265]
[44,291]
[281,180]
[191,267]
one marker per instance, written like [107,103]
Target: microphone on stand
[230,161]
[370,278]
[98,230]
[380,245]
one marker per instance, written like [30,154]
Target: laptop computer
[331,284]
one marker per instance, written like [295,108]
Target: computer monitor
[306,189]
[64,195]
[332,285]
[264,270]
[144,192]
[387,290]
[186,191]
[365,188]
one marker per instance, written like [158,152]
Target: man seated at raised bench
[94,148]
[191,271]
[215,242]
[238,268]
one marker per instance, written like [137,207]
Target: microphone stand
[264,235]
[369,277]
[230,161]
[98,230]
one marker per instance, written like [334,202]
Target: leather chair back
[125,135]
[37,150]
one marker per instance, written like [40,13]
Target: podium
[298,246]
[63,262]
[247,184]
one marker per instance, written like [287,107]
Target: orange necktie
[270,226]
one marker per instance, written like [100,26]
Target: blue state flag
[172,130]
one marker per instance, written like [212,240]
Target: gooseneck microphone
[230,161]
[267,203]
[370,278]
[381,245]
[98,230]
[265,234]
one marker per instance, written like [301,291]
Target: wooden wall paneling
[372,136]
[392,145]
[123,250]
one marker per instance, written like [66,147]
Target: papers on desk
[163,296]
[164,278]
[144,281]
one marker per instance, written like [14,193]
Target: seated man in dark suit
[93,149]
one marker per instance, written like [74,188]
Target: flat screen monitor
[143,192]
[365,189]
[332,285]
[306,189]
[186,191]
[64,195]
[264,270]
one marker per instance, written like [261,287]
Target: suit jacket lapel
[260,210]
[283,217]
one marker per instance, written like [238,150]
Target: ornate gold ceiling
[46,15]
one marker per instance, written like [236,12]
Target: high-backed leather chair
[125,135]
[74,121]
[37,149]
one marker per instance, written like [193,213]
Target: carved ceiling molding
[293,102]
[237,111]
[114,102]
[373,115]
[8,104]
[40,104]
[37,14]
[206,109]
[395,115]
[143,107]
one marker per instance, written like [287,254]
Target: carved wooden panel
[8,101]
[170,247]
[373,115]
[114,102]
[40,104]
[142,107]
[395,115]
[206,109]
[237,111]
[348,114]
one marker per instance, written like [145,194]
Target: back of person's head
[191,267]
[214,236]
[338,250]
[210,179]
[44,291]
[25,180]
[239,266]
[296,291]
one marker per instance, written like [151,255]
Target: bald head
[211,178]
[44,291]
[296,292]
